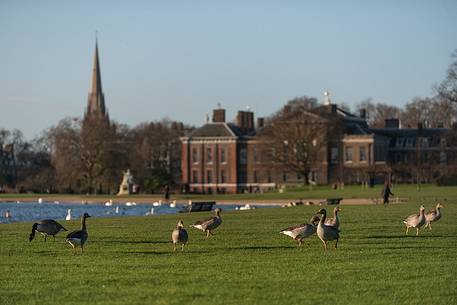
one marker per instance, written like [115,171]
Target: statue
[126,185]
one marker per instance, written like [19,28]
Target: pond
[34,211]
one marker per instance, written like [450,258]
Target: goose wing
[75,234]
[411,218]
[293,228]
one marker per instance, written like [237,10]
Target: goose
[325,232]
[79,237]
[415,221]
[157,203]
[433,215]
[179,236]
[209,224]
[301,231]
[151,212]
[109,203]
[117,210]
[47,227]
[8,214]
[335,221]
[68,217]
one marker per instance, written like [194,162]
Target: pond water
[34,211]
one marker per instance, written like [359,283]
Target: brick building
[226,157]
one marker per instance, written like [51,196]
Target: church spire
[96,100]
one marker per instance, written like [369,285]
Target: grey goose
[209,224]
[415,220]
[179,236]
[79,237]
[335,221]
[325,232]
[433,215]
[47,227]
[302,231]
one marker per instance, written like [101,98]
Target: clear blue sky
[178,59]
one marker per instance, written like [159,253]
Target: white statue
[126,185]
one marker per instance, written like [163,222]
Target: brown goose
[79,237]
[209,224]
[179,236]
[433,215]
[335,221]
[415,220]
[301,231]
[47,227]
[325,232]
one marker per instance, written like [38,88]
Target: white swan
[109,203]
[68,217]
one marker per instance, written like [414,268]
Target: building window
[223,176]
[194,155]
[255,177]
[284,177]
[243,156]
[334,155]
[223,155]
[269,178]
[399,142]
[363,154]
[409,142]
[194,177]
[209,177]
[209,155]
[443,158]
[348,154]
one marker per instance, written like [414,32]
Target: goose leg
[54,238]
[336,244]
[407,229]
[417,231]
[45,238]
[430,225]
[174,247]
[182,248]
[325,246]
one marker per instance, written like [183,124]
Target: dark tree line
[89,156]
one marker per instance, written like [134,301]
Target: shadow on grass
[402,236]
[137,241]
[266,247]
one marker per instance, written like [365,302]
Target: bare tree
[295,139]
[377,113]
[448,87]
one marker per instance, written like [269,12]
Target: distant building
[222,157]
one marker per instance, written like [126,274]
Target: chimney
[245,120]
[332,108]
[219,115]
[260,122]
[420,125]
[363,113]
[392,123]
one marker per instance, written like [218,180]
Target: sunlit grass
[130,261]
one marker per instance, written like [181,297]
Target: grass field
[427,193]
[129,261]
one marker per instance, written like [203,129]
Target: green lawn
[129,261]
[427,193]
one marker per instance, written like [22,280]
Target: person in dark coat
[386,193]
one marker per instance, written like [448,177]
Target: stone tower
[96,99]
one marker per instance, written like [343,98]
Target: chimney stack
[245,120]
[260,122]
[392,123]
[363,113]
[219,115]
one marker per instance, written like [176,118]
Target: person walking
[386,193]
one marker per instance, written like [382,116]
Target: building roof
[215,130]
